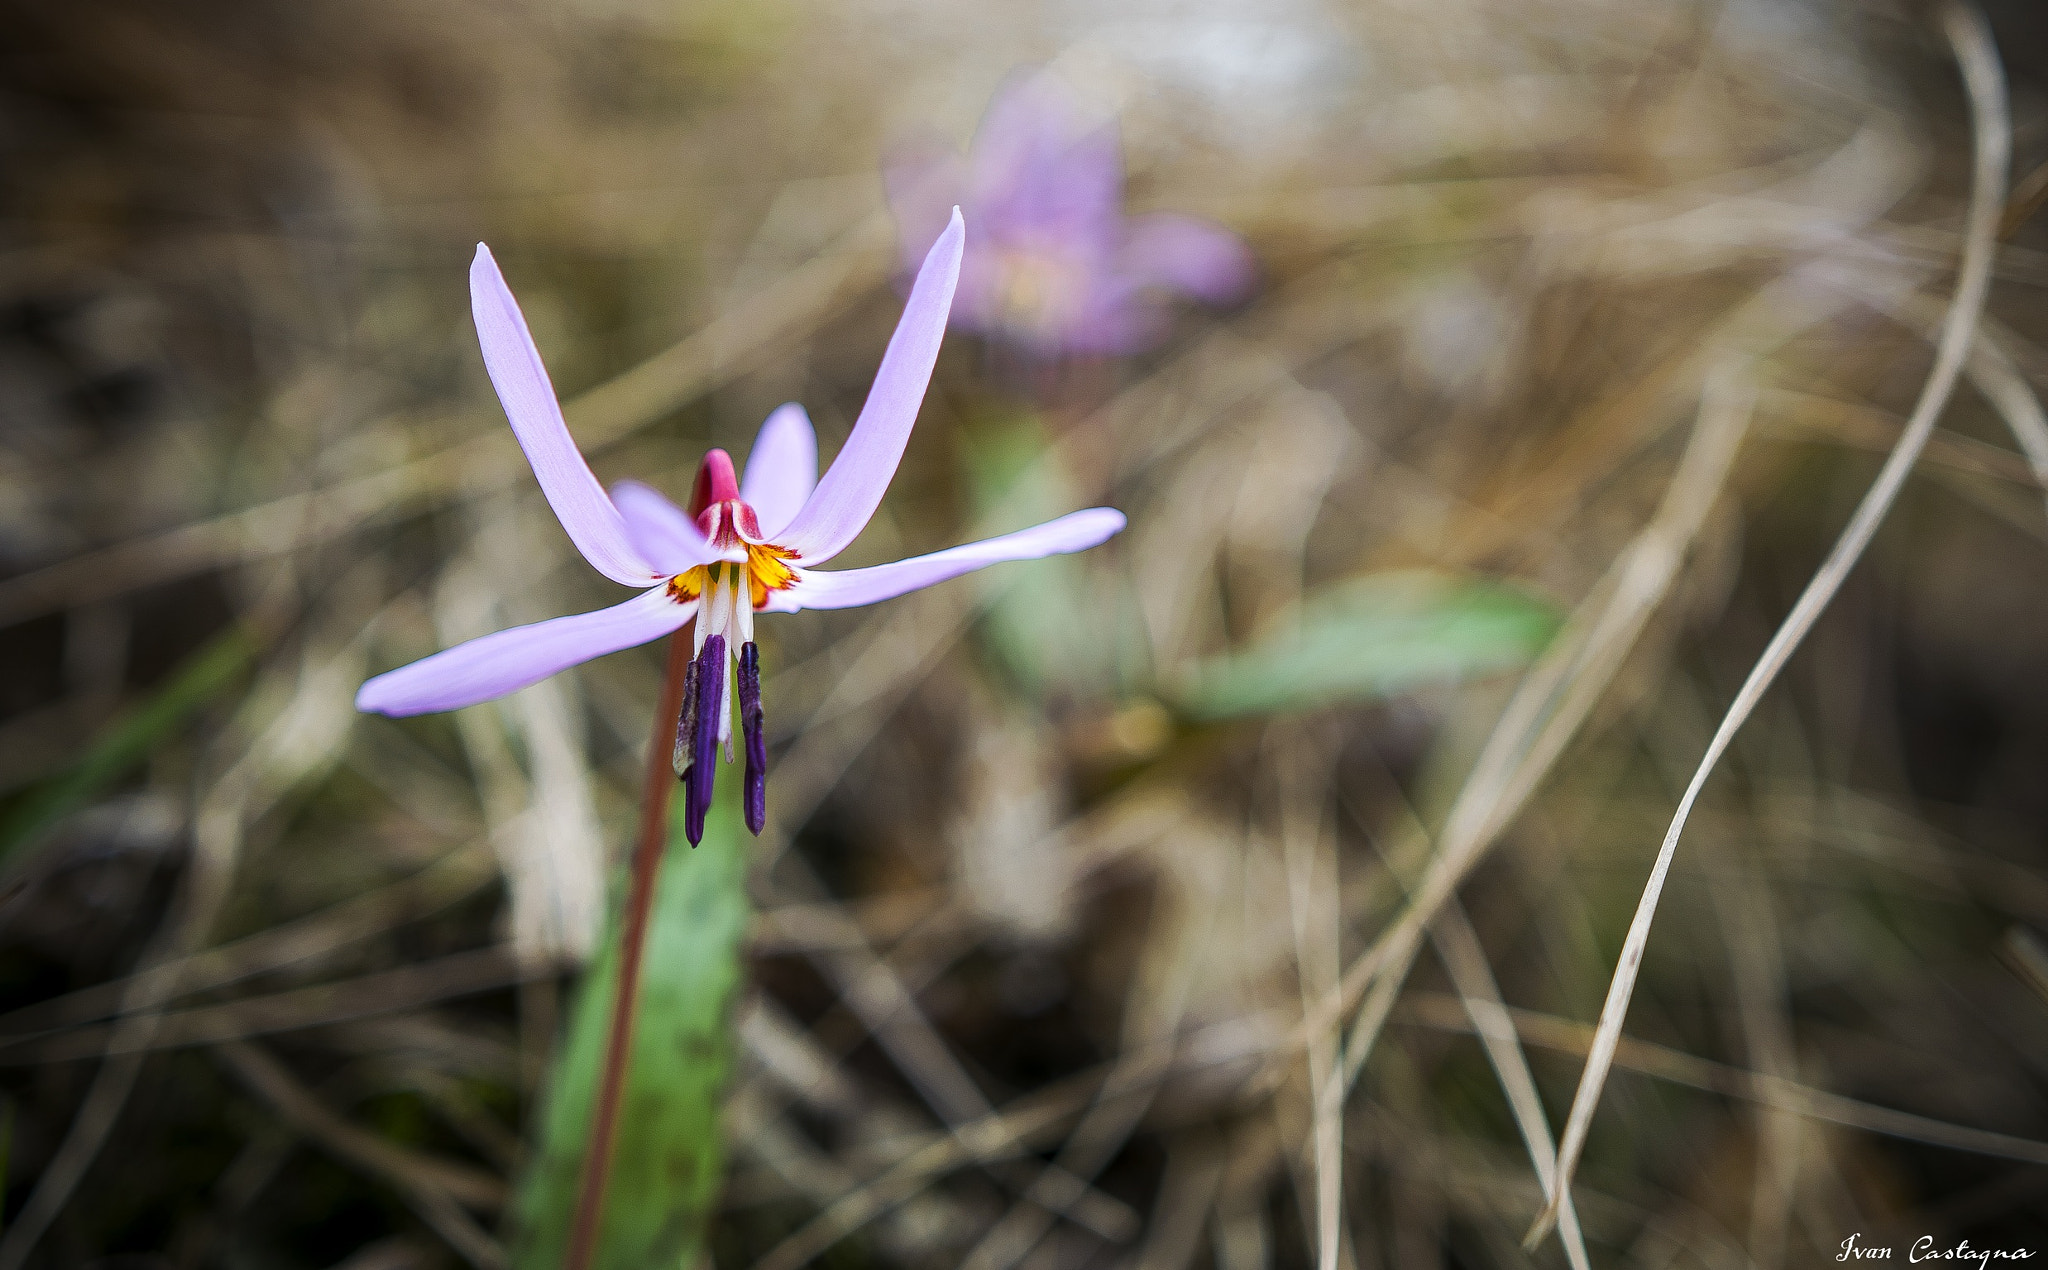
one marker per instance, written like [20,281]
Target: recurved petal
[1187,255]
[592,522]
[662,532]
[782,469]
[839,508]
[507,661]
[850,588]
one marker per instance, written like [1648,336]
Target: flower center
[726,660]
[1037,291]
[767,569]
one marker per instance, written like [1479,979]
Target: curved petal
[1188,255]
[506,661]
[662,532]
[840,507]
[1041,168]
[782,469]
[821,589]
[592,522]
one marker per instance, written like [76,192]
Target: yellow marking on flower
[1036,290]
[768,569]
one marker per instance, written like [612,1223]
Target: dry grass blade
[1971,39]
[1153,1011]
[1458,944]
[1313,886]
[1551,703]
[2023,951]
[1566,1036]
[1757,966]
[387,992]
[486,461]
[294,944]
[1194,1169]
[436,1189]
[1992,370]
[305,736]
[998,1136]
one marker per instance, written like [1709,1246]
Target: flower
[745,546]
[1055,265]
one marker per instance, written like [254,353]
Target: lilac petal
[846,498]
[507,661]
[592,522]
[1038,170]
[662,532]
[782,469]
[1187,255]
[1075,531]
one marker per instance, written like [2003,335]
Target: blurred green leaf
[127,741]
[1373,637]
[1049,622]
[669,1157]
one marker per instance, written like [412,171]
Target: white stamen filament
[716,614]
[728,610]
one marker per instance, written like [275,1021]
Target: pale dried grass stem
[1970,37]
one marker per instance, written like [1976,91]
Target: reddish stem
[647,853]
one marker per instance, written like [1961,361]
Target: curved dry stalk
[1977,57]
[1565,1036]
[1458,944]
[1553,700]
[1992,371]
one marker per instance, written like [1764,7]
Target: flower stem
[648,850]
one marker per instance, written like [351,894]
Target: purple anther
[704,744]
[756,784]
[686,727]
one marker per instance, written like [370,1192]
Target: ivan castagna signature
[1924,1249]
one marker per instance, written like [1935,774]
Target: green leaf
[669,1157]
[1051,623]
[127,741]
[1373,637]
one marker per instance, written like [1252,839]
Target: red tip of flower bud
[716,482]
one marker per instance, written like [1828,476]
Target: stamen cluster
[725,634]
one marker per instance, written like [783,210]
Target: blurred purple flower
[1055,265]
[735,552]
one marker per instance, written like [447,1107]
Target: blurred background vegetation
[1061,856]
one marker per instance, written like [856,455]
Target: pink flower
[745,546]
[1055,265]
